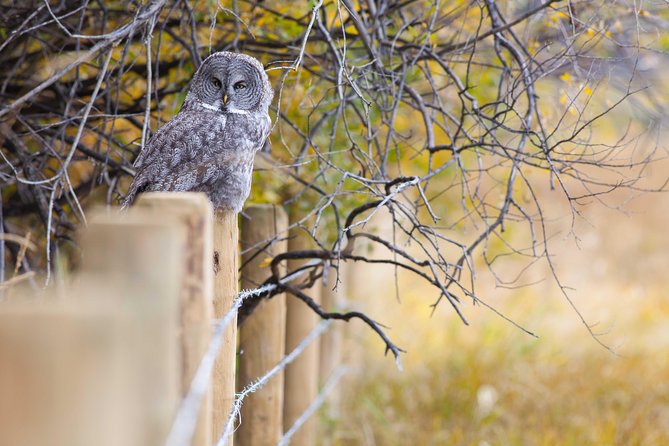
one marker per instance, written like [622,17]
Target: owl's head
[230,83]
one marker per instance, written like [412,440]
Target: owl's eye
[239,85]
[216,83]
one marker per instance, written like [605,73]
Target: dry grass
[492,386]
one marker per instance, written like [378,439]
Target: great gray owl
[210,144]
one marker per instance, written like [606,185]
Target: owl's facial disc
[212,84]
[230,83]
[243,87]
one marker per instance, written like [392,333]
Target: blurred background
[491,384]
[501,159]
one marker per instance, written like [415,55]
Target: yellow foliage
[266,262]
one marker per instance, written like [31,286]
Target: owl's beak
[225,99]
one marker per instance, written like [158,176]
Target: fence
[140,346]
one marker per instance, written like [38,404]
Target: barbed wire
[260,382]
[185,422]
[329,385]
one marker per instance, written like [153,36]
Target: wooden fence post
[110,359]
[217,269]
[262,335]
[301,377]
[226,288]
[135,261]
[65,373]
[333,295]
[195,213]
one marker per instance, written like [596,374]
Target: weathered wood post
[333,295]
[226,287]
[195,213]
[301,377]
[262,335]
[209,289]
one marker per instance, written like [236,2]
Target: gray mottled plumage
[210,144]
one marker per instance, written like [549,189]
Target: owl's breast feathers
[202,151]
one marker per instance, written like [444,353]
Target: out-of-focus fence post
[194,212]
[301,377]
[333,296]
[135,261]
[107,357]
[226,287]
[262,335]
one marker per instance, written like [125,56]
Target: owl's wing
[165,150]
[195,150]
